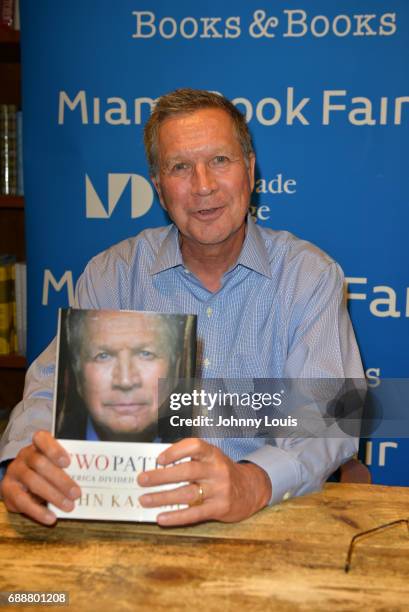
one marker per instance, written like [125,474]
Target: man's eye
[102,356]
[220,160]
[147,355]
[180,168]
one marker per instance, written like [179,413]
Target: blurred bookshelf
[8,36]
[12,229]
[11,201]
[13,361]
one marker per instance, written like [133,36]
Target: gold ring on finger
[200,496]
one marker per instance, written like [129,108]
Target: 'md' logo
[141,196]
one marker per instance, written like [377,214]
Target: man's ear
[157,186]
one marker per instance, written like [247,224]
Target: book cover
[108,402]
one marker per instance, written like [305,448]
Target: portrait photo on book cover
[116,370]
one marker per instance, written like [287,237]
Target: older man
[268,306]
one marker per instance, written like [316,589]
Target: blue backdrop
[325,88]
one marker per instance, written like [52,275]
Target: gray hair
[185,101]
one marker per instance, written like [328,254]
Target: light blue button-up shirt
[279,313]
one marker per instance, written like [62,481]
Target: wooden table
[289,557]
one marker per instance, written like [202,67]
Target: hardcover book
[115,373]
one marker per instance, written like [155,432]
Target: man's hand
[231,491]
[36,477]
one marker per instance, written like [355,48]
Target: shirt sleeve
[322,345]
[34,412]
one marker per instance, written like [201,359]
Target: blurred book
[19,152]
[16,23]
[12,302]
[21,306]
[8,149]
[7,13]
[13,305]
[7,329]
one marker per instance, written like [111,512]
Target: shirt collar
[169,254]
[253,255]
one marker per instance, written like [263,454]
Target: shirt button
[187,271]
[209,312]
[286,496]
[206,362]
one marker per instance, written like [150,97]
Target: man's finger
[182,472]
[190,447]
[39,486]
[55,476]
[188,494]
[188,516]
[48,446]
[23,502]
[30,461]
[11,507]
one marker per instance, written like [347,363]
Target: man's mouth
[127,407]
[206,213]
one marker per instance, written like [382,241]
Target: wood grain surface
[289,557]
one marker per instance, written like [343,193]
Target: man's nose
[126,373]
[203,180]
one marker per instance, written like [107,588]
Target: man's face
[203,181]
[122,358]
